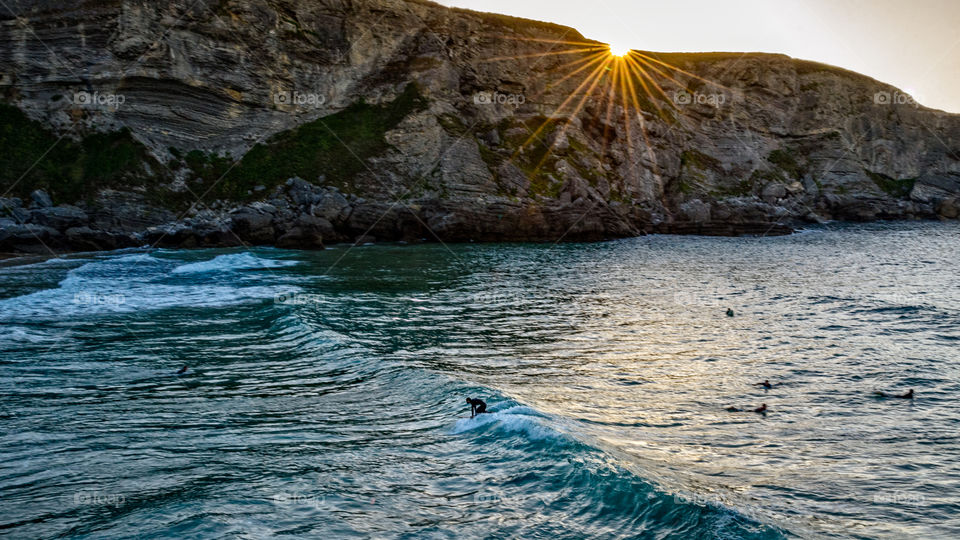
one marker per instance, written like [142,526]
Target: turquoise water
[326,390]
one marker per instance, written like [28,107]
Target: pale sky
[911,44]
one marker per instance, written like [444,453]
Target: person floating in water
[766,384]
[730,312]
[908,395]
[477,406]
[761,410]
[183,370]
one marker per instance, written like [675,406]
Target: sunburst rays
[613,77]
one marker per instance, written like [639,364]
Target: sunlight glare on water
[328,398]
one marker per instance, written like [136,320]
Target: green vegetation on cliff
[698,160]
[785,160]
[33,157]
[335,147]
[531,145]
[899,188]
[694,165]
[536,158]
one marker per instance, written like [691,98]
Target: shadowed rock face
[518,133]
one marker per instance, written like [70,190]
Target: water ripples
[327,398]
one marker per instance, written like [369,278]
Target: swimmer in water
[908,395]
[477,406]
[760,410]
[730,312]
[766,384]
[183,370]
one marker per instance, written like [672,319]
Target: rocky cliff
[219,122]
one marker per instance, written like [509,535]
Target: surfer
[477,406]
[908,395]
[730,312]
[183,370]
[760,410]
[766,384]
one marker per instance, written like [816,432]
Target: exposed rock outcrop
[405,120]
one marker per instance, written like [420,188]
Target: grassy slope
[31,157]
[335,147]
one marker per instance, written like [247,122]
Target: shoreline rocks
[301,215]
[405,128]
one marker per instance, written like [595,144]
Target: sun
[617,49]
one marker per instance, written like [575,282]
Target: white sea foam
[227,263]
[48,262]
[518,419]
[135,283]
[134,258]
[19,335]
[19,264]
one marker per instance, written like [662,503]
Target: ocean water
[325,396]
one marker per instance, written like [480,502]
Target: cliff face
[409,120]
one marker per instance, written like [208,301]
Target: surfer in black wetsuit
[183,370]
[908,395]
[477,406]
[766,384]
[759,410]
